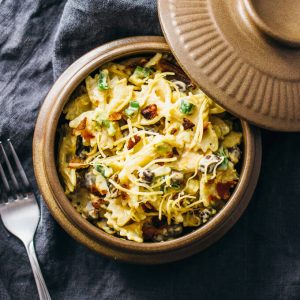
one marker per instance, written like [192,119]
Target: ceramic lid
[245,54]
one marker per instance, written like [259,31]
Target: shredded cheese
[121,188]
[145,135]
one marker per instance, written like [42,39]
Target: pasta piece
[145,152]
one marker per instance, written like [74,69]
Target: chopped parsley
[186,107]
[103,80]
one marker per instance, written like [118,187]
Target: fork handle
[38,276]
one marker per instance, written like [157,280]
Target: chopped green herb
[132,109]
[141,72]
[163,187]
[175,185]
[103,80]
[111,129]
[106,123]
[97,124]
[221,152]
[224,164]
[186,107]
[103,170]
[100,169]
[134,104]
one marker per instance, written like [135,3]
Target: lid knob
[279,19]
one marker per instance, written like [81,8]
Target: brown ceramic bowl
[44,158]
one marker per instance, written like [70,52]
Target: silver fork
[20,213]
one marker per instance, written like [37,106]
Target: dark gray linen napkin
[258,259]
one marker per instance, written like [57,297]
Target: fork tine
[19,165]
[9,167]
[4,179]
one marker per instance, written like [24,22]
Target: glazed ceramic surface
[44,157]
[242,53]
[280,19]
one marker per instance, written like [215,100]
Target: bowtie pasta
[144,154]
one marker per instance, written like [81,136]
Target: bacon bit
[87,135]
[213,198]
[149,112]
[97,192]
[133,141]
[97,203]
[82,124]
[187,124]
[94,190]
[115,116]
[170,155]
[205,125]
[175,152]
[103,192]
[124,195]
[223,189]
[173,131]
[161,163]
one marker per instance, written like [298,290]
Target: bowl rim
[51,188]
